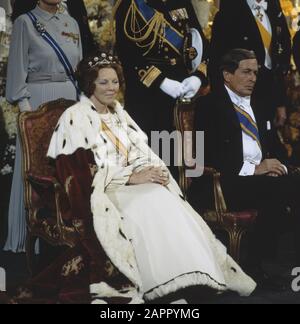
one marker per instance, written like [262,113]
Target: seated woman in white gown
[119,187]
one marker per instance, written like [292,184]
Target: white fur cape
[79,127]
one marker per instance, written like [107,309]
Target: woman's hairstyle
[88,69]
[21,7]
[231,61]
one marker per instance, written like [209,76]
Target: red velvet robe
[67,280]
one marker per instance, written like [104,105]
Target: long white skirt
[172,251]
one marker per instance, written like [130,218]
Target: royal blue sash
[171,34]
[58,50]
[248,125]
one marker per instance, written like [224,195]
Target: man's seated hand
[271,167]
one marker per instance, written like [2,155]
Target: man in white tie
[236,146]
[260,26]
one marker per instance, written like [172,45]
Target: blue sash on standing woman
[58,50]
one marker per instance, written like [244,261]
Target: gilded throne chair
[46,200]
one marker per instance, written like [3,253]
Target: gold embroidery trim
[154,29]
[150,76]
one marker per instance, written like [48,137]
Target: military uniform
[157,40]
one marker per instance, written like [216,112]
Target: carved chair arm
[45,182]
[220,204]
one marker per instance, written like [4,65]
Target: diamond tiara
[103,59]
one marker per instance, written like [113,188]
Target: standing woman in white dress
[35,76]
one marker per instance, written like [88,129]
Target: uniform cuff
[150,76]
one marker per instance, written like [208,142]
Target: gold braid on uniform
[148,77]
[147,35]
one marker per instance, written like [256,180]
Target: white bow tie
[263,5]
[243,103]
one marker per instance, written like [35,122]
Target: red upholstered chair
[45,199]
[220,218]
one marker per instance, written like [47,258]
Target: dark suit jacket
[235,27]
[216,116]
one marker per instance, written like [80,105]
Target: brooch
[40,27]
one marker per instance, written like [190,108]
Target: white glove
[191,86]
[172,88]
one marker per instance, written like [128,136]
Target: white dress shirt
[251,150]
[265,22]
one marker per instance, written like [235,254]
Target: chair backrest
[36,129]
[184,114]
[184,118]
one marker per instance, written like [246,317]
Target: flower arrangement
[205,11]
[103,34]
[9,114]
[99,15]
[291,10]
[98,8]
[287,7]
[6,165]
